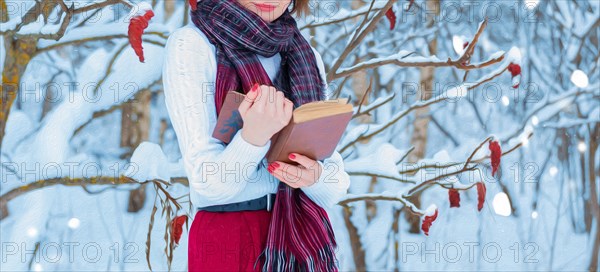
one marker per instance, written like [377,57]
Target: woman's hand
[265,111]
[305,174]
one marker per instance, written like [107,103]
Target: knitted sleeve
[216,172]
[334,181]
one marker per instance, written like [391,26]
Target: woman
[250,217]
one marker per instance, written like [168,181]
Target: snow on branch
[407,59]
[84,182]
[553,107]
[382,100]
[359,34]
[459,91]
[430,213]
[340,15]
[418,167]
[33,23]
[385,195]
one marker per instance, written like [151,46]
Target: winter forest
[474,143]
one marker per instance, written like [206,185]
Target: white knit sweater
[220,173]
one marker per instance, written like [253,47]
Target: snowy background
[88,152]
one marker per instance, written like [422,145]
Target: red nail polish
[292,156]
[275,165]
[254,87]
[270,169]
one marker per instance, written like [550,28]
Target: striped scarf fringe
[295,241]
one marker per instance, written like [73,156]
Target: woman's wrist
[253,139]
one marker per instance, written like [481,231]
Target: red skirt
[227,241]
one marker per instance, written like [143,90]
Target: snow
[378,101]
[139,9]
[525,216]
[381,162]
[505,101]
[10,24]
[458,44]
[501,204]
[522,137]
[40,27]
[343,13]
[353,133]
[566,14]
[373,236]
[430,210]
[387,74]
[19,125]
[96,31]
[402,56]
[535,120]
[15,8]
[514,55]
[456,92]
[148,162]
[497,55]
[580,79]
[531,4]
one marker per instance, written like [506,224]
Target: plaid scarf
[300,236]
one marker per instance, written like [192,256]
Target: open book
[314,130]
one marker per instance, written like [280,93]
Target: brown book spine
[273,141]
[279,143]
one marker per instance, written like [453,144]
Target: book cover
[315,136]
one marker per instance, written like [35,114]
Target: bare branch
[405,59]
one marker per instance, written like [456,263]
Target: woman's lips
[265,7]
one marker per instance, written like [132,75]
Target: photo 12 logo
[70,252]
[471,252]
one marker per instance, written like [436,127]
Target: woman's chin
[267,16]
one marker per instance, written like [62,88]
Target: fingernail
[275,165]
[270,169]
[254,87]
[292,156]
